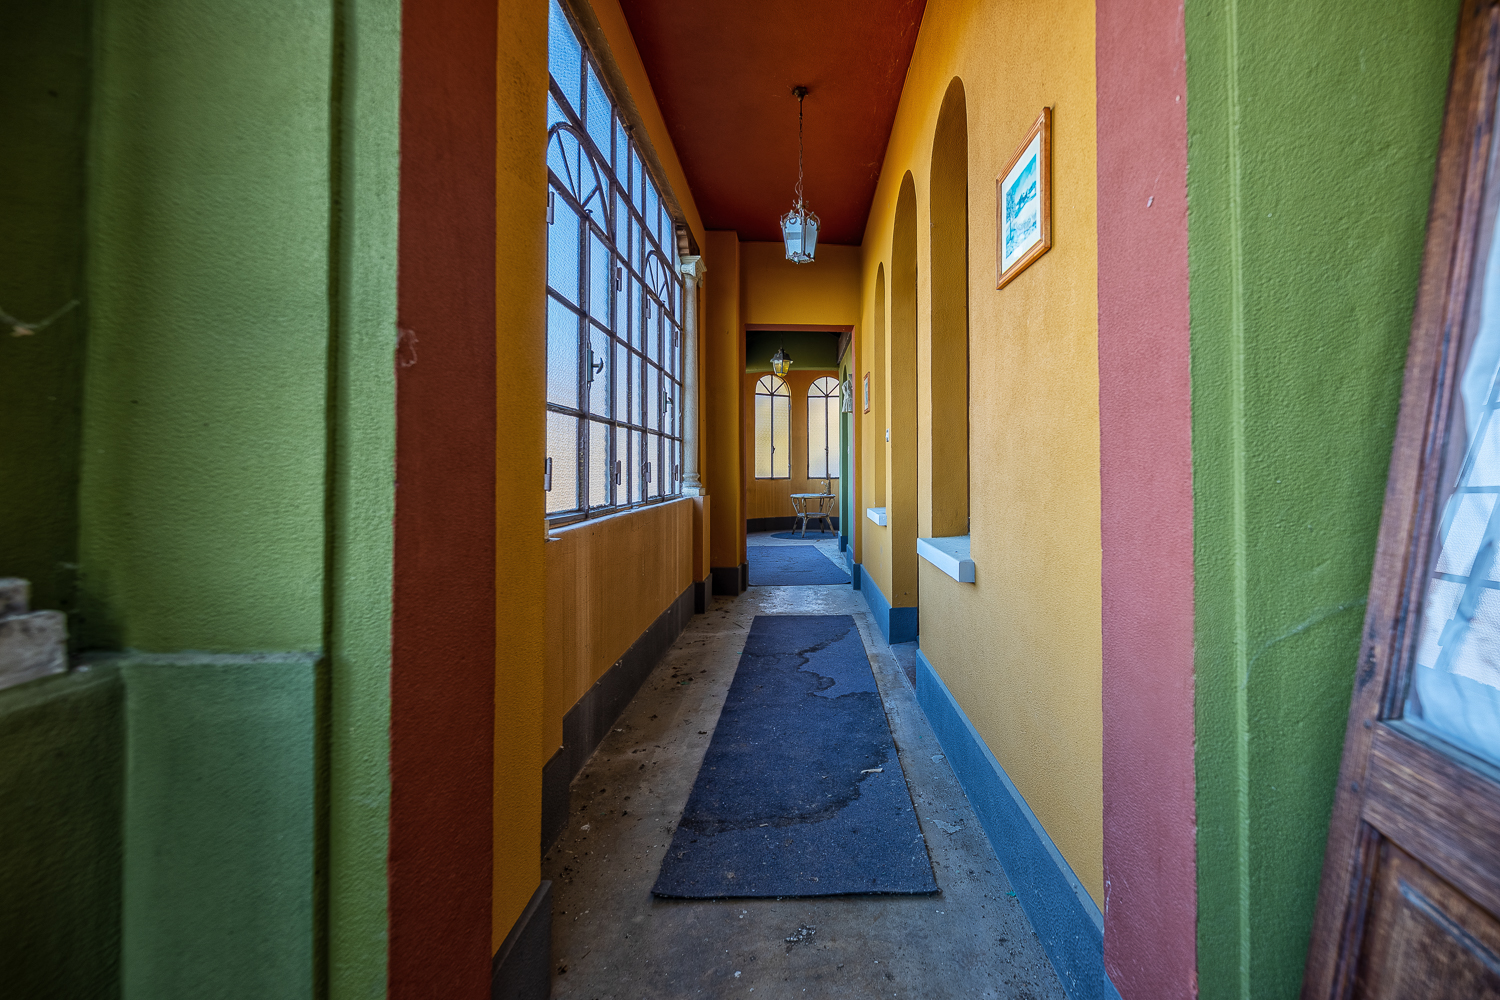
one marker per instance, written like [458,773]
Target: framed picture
[1023,203]
[867,392]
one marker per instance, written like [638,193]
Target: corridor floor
[612,940]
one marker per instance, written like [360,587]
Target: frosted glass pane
[621,467]
[562,354]
[651,341]
[598,464]
[649,210]
[562,251]
[781,437]
[621,379]
[651,400]
[638,470]
[554,113]
[562,448]
[762,436]
[564,57]
[598,389]
[654,474]
[600,293]
[600,118]
[817,437]
[637,181]
[669,424]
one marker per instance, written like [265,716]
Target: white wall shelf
[951,555]
[876,514]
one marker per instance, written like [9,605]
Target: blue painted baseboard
[1063,914]
[896,624]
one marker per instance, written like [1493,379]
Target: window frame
[617,208]
[834,391]
[779,389]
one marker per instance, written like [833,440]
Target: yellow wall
[520,259]
[724,363]
[776,292]
[772,497]
[1020,648]
[608,579]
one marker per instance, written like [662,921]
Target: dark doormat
[791,566]
[801,792]
[812,533]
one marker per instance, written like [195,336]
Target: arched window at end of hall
[614,302]
[773,429]
[823,429]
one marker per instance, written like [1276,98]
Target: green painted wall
[1312,134]
[60,857]
[202,493]
[44,98]
[237,481]
[362,501]
[809,349]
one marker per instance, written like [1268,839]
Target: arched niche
[947,433]
[874,427]
[901,411]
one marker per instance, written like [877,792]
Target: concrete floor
[612,940]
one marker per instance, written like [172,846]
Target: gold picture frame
[1023,203]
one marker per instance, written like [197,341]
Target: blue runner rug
[791,566]
[800,793]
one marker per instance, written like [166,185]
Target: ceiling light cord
[801,92]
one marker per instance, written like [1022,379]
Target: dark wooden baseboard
[590,719]
[522,968]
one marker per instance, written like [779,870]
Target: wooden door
[1410,893]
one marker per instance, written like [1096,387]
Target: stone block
[15,596]
[32,645]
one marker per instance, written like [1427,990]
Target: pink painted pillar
[1145,429]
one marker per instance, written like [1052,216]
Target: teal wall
[219,827]
[61,769]
[1312,135]
[44,98]
[225,486]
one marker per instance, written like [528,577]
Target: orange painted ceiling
[723,73]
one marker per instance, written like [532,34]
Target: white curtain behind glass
[1455,689]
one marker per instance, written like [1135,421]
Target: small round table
[800,503]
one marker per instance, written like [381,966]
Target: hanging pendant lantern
[781,362]
[799,227]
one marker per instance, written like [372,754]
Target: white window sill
[876,514]
[951,555]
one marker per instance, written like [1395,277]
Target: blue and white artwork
[1022,207]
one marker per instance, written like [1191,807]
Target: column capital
[692,267]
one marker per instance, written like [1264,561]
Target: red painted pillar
[1145,428]
[443,627]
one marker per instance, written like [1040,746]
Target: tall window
[823,400]
[614,302]
[773,429]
